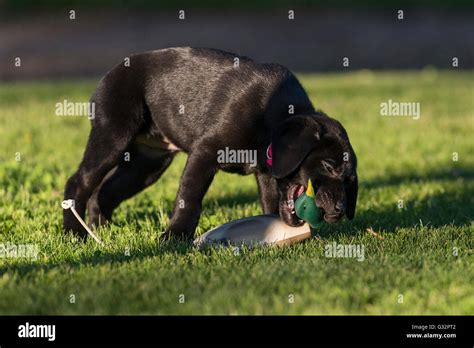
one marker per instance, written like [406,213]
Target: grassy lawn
[422,251]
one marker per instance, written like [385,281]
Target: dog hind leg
[117,121]
[123,182]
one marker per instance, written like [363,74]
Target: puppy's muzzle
[331,210]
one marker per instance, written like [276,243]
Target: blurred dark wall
[51,45]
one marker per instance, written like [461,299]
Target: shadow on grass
[450,208]
[144,251]
[234,199]
[433,175]
[228,201]
[105,257]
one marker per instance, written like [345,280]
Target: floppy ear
[292,140]
[351,187]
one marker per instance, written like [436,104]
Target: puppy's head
[315,147]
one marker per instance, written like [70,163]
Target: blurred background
[368,32]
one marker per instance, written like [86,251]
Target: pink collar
[269,155]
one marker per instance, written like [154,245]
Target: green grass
[399,158]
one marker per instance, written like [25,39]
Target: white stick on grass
[69,204]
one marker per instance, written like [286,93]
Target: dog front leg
[195,180]
[268,190]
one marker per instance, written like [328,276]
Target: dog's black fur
[198,101]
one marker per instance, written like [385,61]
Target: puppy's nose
[339,208]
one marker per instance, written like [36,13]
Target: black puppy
[204,101]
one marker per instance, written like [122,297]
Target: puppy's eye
[329,168]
